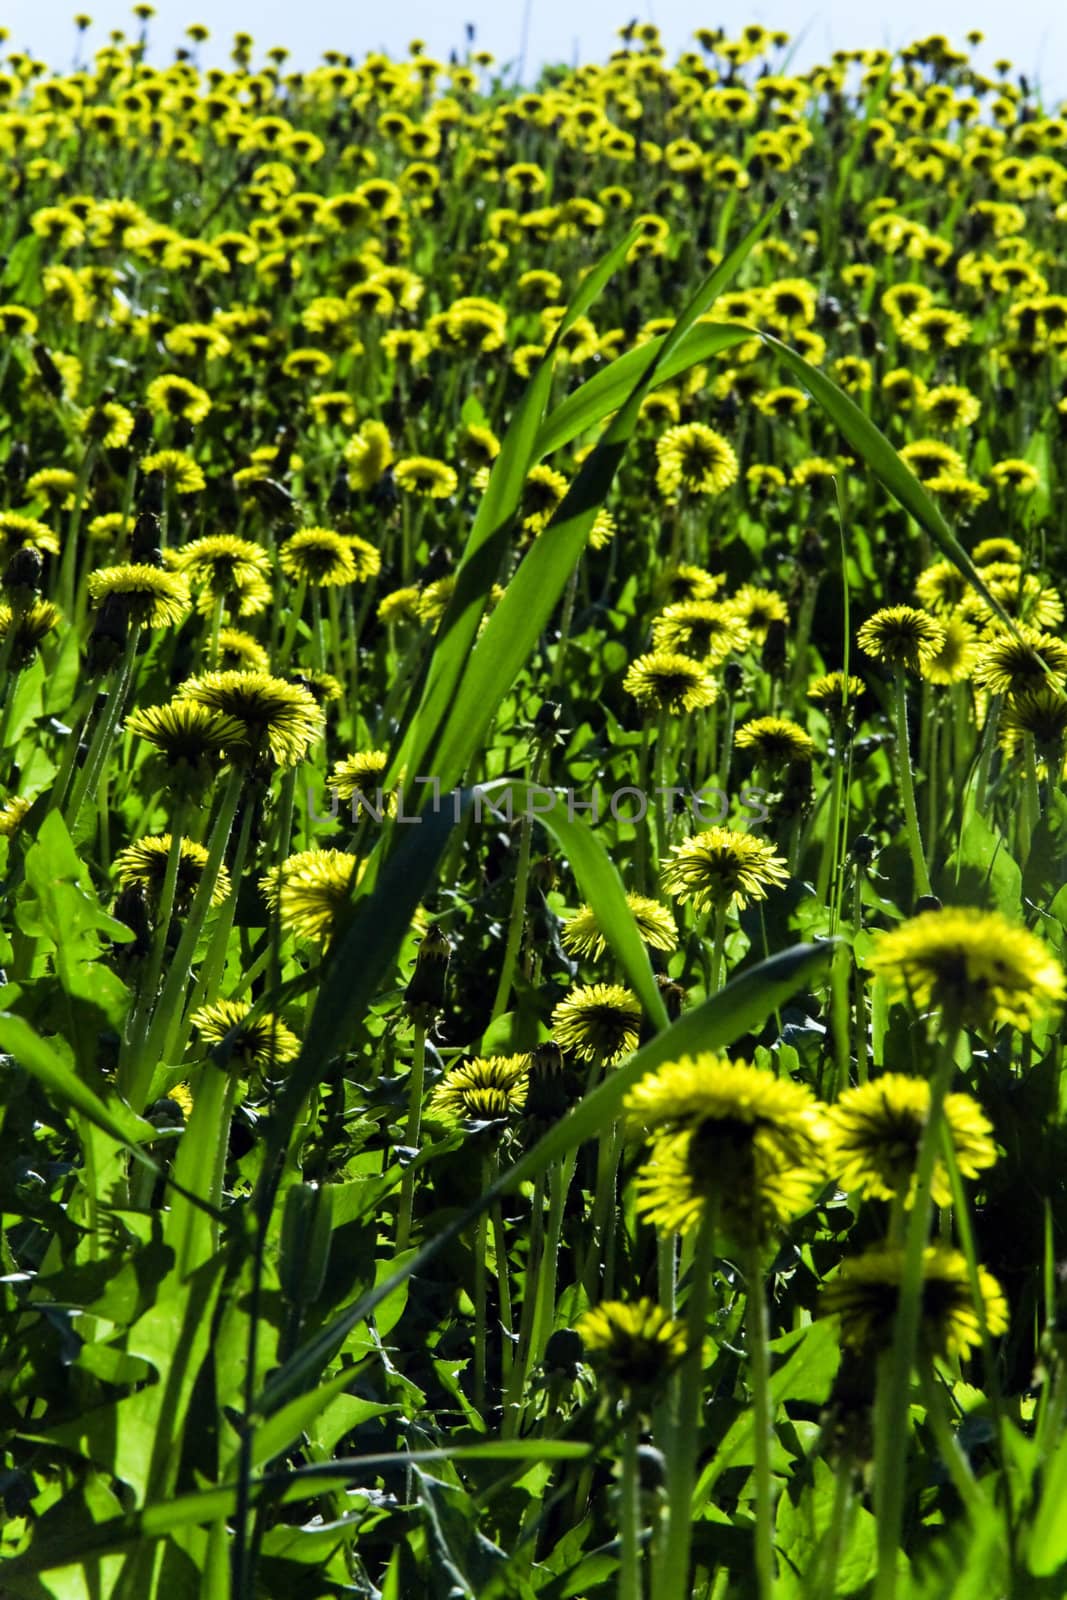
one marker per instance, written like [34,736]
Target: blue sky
[1032,33]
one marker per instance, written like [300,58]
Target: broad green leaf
[43,1062]
[813,1361]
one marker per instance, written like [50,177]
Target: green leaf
[743,1005]
[803,1526]
[515,625]
[598,879]
[984,870]
[274,1436]
[481,562]
[1048,1537]
[22,278]
[874,448]
[39,1058]
[284,1486]
[604,393]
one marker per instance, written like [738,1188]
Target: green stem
[411,1133]
[630,1517]
[891,1410]
[948,1446]
[660,765]
[1030,810]
[718,945]
[480,1295]
[671,1571]
[831,842]
[333,604]
[564,629]
[217,606]
[907,789]
[149,983]
[503,1283]
[666,1271]
[88,777]
[293,622]
[69,561]
[860,987]
[166,1018]
[544,1313]
[205,990]
[512,1407]
[517,919]
[318,634]
[762,1423]
[824,1580]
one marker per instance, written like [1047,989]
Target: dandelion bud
[773,657]
[108,637]
[863,849]
[426,990]
[23,571]
[563,1355]
[17,465]
[131,907]
[50,374]
[144,545]
[672,994]
[151,495]
[340,497]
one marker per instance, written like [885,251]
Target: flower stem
[87,779]
[411,1133]
[630,1518]
[150,978]
[517,919]
[948,1446]
[671,1572]
[891,1409]
[166,1018]
[762,1423]
[907,789]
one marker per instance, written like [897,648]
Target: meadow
[533,726]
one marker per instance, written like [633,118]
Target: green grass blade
[515,625]
[480,563]
[874,448]
[737,1009]
[37,1057]
[599,881]
[606,392]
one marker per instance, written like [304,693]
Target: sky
[1031,33]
